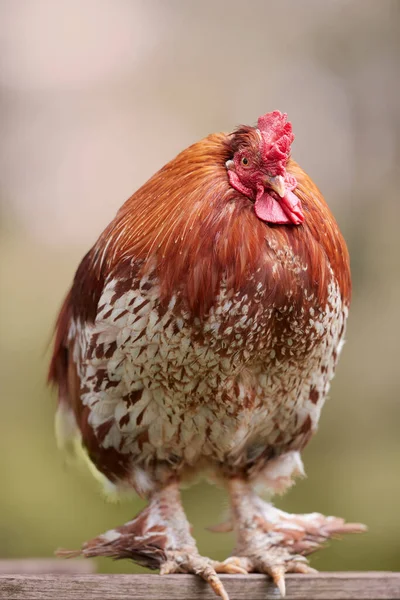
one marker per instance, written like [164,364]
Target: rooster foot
[159,538]
[273,561]
[274,542]
[190,561]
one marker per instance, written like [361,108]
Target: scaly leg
[274,542]
[159,538]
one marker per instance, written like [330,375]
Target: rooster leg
[159,538]
[274,542]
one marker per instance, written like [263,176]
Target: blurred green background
[97,95]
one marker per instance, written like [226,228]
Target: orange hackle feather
[198,229]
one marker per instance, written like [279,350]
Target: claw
[230,568]
[205,569]
[280,583]
[168,567]
[278,577]
[216,585]
[301,567]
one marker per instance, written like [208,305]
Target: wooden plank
[40,566]
[323,586]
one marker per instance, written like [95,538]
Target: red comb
[277,138]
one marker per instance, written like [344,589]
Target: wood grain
[323,586]
[41,566]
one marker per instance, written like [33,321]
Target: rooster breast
[162,391]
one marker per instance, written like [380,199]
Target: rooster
[199,337]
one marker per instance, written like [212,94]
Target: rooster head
[258,169]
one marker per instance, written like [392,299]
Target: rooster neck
[193,232]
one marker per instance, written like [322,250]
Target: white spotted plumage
[211,394]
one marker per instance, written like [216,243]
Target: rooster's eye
[245,161]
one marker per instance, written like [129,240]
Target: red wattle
[282,211]
[292,206]
[268,209]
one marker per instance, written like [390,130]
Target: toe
[216,584]
[187,562]
[297,566]
[243,564]
[204,569]
[230,568]
[168,567]
[277,574]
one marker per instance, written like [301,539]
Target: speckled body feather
[197,337]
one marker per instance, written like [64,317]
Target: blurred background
[95,96]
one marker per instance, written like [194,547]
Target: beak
[277,184]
